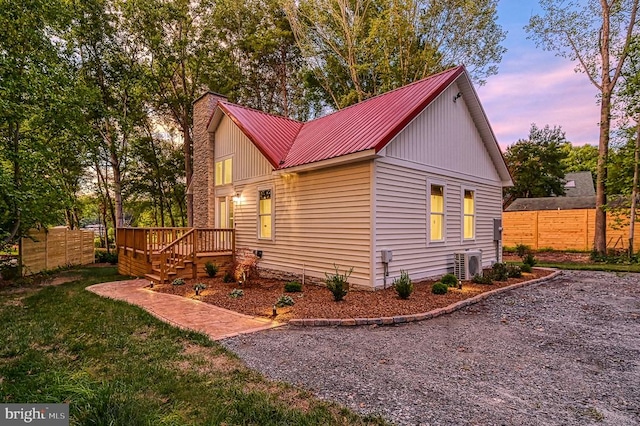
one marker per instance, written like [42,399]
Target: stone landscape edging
[401,319]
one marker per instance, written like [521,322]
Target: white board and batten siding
[441,146]
[320,218]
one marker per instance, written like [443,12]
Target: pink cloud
[540,88]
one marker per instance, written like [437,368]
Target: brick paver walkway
[217,323]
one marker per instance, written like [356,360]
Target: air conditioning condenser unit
[467,264]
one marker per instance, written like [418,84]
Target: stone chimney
[203,161]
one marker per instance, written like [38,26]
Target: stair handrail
[170,263]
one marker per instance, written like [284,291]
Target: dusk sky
[535,86]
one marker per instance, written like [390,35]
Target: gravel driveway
[566,352]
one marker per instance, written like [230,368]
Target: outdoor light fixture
[458,95]
[237,198]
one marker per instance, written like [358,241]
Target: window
[265,214]
[469,217]
[224,172]
[437,213]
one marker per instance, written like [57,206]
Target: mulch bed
[317,301]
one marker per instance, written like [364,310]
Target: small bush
[522,249]
[228,278]
[526,268]
[104,257]
[450,280]
[177,281]
[439,288]
[9,269]
[529,259]
[293,287]
[514,271]
[499,272]
[338,283]
[211,269]
[236,293]
[198,287]
[247,268]
[285,300]
[479,279]
[403,285]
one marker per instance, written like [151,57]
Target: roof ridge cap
[413,83]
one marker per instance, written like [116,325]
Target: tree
[38,101]
[581,158]
[109,67]
[357,49]
[536,164]
[597,35]
[269,71]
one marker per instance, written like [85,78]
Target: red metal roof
[370,124]
[271,134]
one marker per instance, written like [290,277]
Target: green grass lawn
[117,365]
[607,267]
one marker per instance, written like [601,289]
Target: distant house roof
[579,194]
[552,203]
[579,184]
[368,125]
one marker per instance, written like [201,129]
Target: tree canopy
[536,163]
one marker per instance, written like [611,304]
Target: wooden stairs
[164,254]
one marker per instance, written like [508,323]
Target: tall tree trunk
[634,191]
[600,238]
[600,234]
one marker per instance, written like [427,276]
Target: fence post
[535,232]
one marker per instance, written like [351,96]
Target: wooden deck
[163,254]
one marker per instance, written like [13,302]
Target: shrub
[338,283]
[522,249]
[479,279]
[293,287]
[439,288]
[403,285]
[9,269]
[236,293]
[529,259]
[285,300]
[177,281]
[526,268]
[247,268]
[211,269]
[499,272]
[514,271]
[104,257]
[228,278]
[198,287]
[450,280]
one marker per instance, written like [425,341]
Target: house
[415,172]
[579,194]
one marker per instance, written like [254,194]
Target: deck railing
[172,247]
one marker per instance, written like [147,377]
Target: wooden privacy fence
[54,248]
[564,230]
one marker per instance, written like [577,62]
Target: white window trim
[215,162]
[273,215]
[475,213]
[443,241]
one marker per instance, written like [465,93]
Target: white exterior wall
[441,146]
[320,217]
[445,137]
[248,161]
